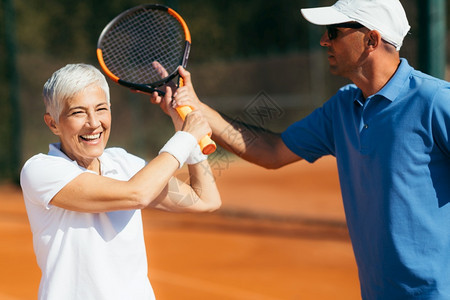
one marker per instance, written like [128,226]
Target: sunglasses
[332,30]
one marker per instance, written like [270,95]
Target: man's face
[84,125]
[345,51]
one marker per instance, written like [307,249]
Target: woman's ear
[51,123]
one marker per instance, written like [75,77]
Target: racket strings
[137,41]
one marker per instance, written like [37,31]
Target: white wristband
[196,156]
[180,146]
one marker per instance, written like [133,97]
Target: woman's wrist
[180,146]
[196,156]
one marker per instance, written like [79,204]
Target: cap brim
[324,15]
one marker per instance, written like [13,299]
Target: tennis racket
[142,48]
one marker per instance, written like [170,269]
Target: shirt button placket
[364,139]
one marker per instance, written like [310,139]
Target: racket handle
[207,145]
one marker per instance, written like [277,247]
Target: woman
[83,200]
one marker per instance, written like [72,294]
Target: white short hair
[68,81]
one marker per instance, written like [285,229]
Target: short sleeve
[119,159]
[43,176]
[441,120]
[311,137]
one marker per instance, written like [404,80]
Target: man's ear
[373,39]
[51,123]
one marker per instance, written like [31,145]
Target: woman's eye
[102,108]
[77,113]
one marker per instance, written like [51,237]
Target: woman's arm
[93,193]
[153,185]
[197,193]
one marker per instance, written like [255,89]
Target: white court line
[233,293]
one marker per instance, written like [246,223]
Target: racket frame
[207,145]
[148,88]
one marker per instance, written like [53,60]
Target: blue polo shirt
[393,156]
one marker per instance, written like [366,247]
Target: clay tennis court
[279,235]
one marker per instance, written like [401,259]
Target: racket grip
[207,145]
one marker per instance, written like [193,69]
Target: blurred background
[243,52]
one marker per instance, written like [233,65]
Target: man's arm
[254,144]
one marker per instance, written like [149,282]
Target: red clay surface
[279,235]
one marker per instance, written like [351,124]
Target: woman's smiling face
[84,125]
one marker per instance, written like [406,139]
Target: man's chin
[333,70]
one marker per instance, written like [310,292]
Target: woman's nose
[93,120]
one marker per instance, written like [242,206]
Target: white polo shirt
[84,256]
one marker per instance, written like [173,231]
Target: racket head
[143,47]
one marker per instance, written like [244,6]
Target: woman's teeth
[91,136]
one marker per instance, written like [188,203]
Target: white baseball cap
[386,16]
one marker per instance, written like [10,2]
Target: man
[389,132]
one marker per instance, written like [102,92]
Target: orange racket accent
[104,67]
[182,22]
[207,145]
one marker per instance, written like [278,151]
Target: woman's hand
[196,125]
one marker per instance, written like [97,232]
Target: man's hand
[185,95]
[155,97]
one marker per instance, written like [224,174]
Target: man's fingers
[162,72]
[155,98]
[185,75]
